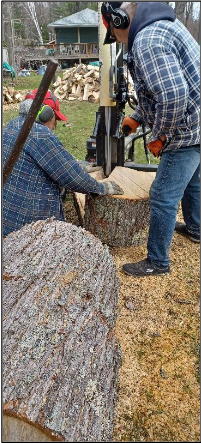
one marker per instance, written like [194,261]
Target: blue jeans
[177,178]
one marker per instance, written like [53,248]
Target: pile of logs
[80,82]
[10,95]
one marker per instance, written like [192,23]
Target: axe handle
[31,116]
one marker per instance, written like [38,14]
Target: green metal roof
[85,18]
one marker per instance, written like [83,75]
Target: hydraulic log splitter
[109,146]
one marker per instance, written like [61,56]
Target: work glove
[155,147]
[111,188]
[89,167]
[129,125]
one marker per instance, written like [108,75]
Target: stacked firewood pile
[10,95]
[80,82]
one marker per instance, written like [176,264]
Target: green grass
[82,116]
[21,83]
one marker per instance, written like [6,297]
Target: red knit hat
[51,101]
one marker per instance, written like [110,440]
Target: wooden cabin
[75,41]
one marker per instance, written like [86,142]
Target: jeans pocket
[167,166]
[164,175]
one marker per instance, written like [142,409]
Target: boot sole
[193,239]
[146,275]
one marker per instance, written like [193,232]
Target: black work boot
[181,228]
[144,268]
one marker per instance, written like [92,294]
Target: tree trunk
[61,358]
[121,220]
[180,8]
[189,12]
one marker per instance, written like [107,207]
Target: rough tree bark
[121,220]
[61,358]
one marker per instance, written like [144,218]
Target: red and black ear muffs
[115,16]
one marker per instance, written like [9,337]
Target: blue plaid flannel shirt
[164,63]
[32,191]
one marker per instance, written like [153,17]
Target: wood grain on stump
[61,358]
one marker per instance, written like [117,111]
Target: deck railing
[66,49]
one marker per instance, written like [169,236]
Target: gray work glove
[89,167]
[111,188]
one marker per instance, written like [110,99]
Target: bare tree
[199,32]
[30,8]
[180,10]
[188,11]
[8,30]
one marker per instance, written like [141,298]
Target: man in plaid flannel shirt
[33,189]
[163,60]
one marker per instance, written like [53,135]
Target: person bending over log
[33,189]
[163,60]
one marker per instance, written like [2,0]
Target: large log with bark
[61,358]
[121,220]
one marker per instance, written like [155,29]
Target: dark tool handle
[31,116]
[126,130]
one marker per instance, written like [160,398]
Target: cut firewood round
[121,220]
[61,358]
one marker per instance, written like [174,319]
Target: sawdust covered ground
[158,331]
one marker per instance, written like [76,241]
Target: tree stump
[121,220]
[61,358]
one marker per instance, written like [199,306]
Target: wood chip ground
[158,330]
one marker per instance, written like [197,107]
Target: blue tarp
[41,70]
[9,68]
[96,63]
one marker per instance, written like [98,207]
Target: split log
[73,88]
[78,91]
[11,90]
[89,73]
[17,96]
[121,220]
[94,97]
[94,68]
[11,96]
[58,82]
[61,358]
[86,92]
[91,99]
[8,97]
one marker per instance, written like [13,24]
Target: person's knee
[161,200]
[154,192]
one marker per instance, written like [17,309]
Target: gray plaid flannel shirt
[165,66]
[32,191]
